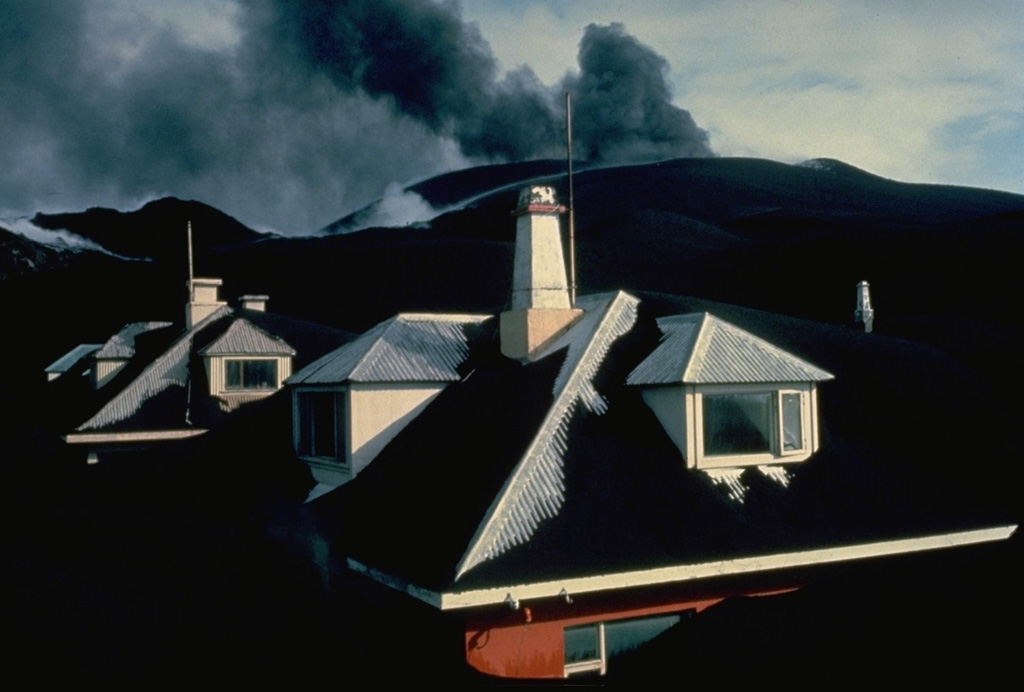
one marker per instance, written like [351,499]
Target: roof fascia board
[140,436]
[721,568]
[454,600]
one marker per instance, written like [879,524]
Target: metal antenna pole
[572,207]
[191,283]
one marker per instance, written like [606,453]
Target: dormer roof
[122,344]
[410,347]
[245,338]
[699,348]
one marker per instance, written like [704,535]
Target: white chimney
[864,313]
[203,300]
[256,303]
[541,310]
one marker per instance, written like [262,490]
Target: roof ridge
[700,345]
[534,490]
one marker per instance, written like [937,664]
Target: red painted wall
[528,643]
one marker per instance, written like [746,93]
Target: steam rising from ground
[288,113]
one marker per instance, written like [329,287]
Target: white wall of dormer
[374,413]
[105,369]
[378,412]
[215,368]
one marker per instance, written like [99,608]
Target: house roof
[168,370]
[557,470]
[122,344]
[72,357]
[410,347]
[700,348]
[170,391]
[244,338]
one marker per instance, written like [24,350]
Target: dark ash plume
[302,111]
[623,101]
[439,70]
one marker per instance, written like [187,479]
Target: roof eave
[496,595]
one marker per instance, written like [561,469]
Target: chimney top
[257,303]
[538,198]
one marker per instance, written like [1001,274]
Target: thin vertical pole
[191,283]
[572,207]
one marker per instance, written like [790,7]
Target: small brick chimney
[256,303]
[541,310]
[203,300]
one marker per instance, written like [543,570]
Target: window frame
[776,447]
[243,388]
[339,397]
[599,664]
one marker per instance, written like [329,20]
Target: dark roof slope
[630,503]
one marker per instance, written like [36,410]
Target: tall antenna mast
[572,208]
[191,283]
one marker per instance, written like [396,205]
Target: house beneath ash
[564,481]
[156,382]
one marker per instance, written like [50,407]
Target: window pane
[737,423]
[260,374]
[626,635]
[582,644]
[233,375]
[792,424]
[318,424]
[324,422]
[306,424]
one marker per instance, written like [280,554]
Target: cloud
[885,87]
[283,113]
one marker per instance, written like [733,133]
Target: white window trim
[599,664]
[777,455]
[250,390]
[217,374]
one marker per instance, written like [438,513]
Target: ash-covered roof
[69,359]
[700,348]
[168,370]
[122,344]
[170,391]
[244,338]
[534,491]
[409,347]
[505,479]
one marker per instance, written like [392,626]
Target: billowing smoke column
[440,71]
[288,113]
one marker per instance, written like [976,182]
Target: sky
[289,114]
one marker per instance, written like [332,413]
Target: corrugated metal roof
[535,490]
[68,360]
[122,344]
[169,369]
[700,348]
[245,338]
[409,347]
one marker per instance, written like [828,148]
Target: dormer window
[747,424]
[728,398]
[246,360]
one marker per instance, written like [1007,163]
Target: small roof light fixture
[511,602]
